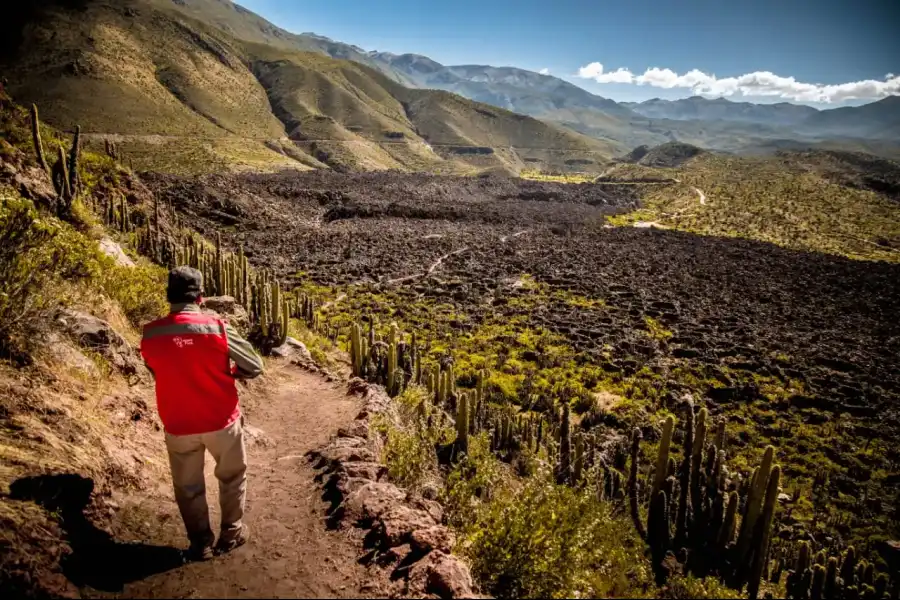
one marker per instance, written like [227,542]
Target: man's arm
[249,364]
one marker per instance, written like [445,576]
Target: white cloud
[544,71]
[760,83]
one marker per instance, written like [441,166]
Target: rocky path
[291,552]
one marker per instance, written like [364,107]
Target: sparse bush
[688,586]
[25,267]
[538,539]
[139,290]
[409,451]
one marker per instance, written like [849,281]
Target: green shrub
[26,264]
[680,586]
[139,290]
[409,451]
[539,539]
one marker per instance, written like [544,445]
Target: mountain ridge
[621,125]
[177,91]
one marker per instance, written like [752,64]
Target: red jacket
[195,389]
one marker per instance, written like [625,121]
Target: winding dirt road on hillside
[291,552]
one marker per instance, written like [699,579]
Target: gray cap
[185,285]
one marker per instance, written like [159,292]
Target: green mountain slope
[836,202]
[181,94]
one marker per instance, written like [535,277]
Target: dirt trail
[434,266]
[291,552]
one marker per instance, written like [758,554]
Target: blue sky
[814,42]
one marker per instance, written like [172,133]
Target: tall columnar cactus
[60,176]
[848,567]
[662,458]
[462,422]
[763,533]
[754,507]
[818,582]
[726,530]
[694,499]
[578,464]
[284,324]
[36,139]
[633,500]
[74,156]
[393,372]
[564,467]
[658,532]
[697,472]
[681,518]
[357,354]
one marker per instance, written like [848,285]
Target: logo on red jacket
[182,342]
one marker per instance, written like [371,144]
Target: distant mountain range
[714,123]
[211,68]
[717,124]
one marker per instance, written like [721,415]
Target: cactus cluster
[394,363]
[693,513]
[64,172]
[305,310]
[227,274]
[821,577]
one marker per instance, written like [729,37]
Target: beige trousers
[187,456]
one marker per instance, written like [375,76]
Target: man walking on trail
[195,359]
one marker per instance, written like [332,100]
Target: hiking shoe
[201,548]
[230,540]
[200,551]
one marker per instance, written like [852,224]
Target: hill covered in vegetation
[180,94]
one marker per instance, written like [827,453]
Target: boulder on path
[372,500]
[115,252]
[441,574]
[295,350]
[396,525]
[347,454]
[432,507]
[372,471]
[96,334]
[436,537]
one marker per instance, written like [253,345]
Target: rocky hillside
[184,95]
